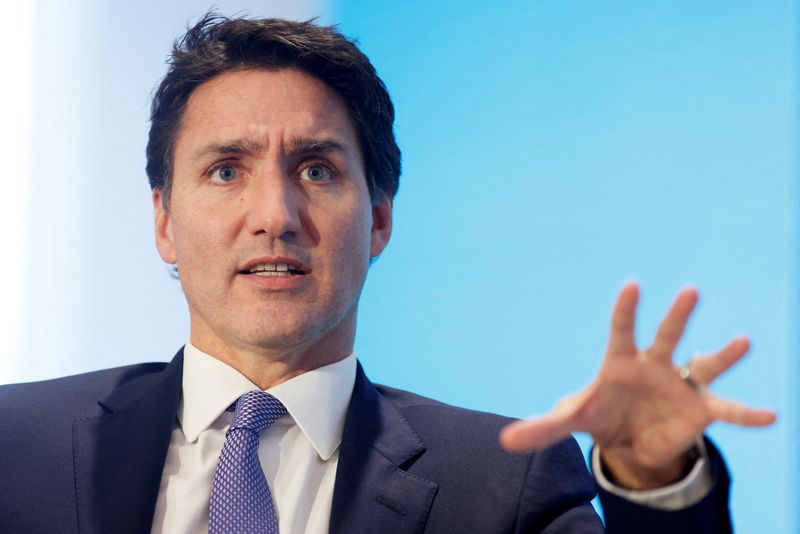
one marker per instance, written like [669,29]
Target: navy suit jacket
[84,454]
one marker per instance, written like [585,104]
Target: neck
[267,367]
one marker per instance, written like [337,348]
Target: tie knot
[256,410]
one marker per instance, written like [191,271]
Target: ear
[381,225]
[163,227]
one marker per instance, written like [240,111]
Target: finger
[705,369]
[673,325]
[525,436]
[623,319]
[739,414]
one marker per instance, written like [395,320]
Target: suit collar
[119,456]
[373,492]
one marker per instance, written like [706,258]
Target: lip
[275,283]
[296,264]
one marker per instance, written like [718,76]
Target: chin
[321,330]
[286,334]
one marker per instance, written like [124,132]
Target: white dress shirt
[682,494]
[299,452]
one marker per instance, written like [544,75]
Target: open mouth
[274,269]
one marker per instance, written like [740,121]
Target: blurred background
[552,151]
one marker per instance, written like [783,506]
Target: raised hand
[641,414]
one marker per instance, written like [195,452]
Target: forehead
[264,106]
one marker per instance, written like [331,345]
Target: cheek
[200,241]
[349,240]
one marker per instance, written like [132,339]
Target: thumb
[532,434]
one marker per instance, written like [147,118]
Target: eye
[316,173]
[224,173]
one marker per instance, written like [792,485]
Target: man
[274,166]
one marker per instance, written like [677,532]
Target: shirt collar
[316,400]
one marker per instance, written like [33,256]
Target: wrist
[621,469]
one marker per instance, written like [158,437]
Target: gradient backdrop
[552,150]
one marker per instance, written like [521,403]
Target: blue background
[552,151]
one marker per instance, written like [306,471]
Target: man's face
[270,220]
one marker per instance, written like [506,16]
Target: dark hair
[216,45]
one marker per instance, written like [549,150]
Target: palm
[638,410]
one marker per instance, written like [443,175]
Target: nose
[273,205]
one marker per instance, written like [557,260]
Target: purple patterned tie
[240,497]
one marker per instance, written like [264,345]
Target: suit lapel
[373,493]
[119,456]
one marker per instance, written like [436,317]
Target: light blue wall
[553,150]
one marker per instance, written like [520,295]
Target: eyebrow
[302,146]
[236,146]
[299,146]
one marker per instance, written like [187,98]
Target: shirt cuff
[682,494]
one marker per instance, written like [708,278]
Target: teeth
[263,268]
[272,273]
